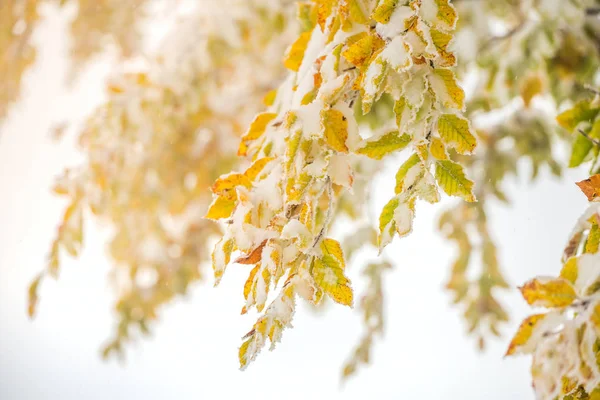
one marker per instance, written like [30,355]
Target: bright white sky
[193,352]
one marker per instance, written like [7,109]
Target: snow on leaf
[221,207]
[398,54]
[455,131]
[230,181]
[333,248]
[440,13]
[374,80]
[354,10]
[295,54]
[221,256]
[386,222]
[328,274]
[256,130]
[446,88]
[403,171]
[254,257]
[335,129]
[363,48]
[452,179]
[590,187]
[383,11]
[441,40]
[257,167]
[385,144]
[522,341]
[544,292]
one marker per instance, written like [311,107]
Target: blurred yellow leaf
[549,293]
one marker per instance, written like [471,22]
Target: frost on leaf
[564,342]
[352,52]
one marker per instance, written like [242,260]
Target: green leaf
[384,10]
[451,177]
[385,145]
[582,111]
[403,170]
[455,131]
[581,148]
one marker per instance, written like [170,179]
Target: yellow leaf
[295,54]
[441,40]
[384,145]
[230,181]
[590,187]
[250,282]
[270,97]
[437,149]
[331,279]
[451,177]
[524,333]
[221,207]
[363,49]
[384,10]
[530,87]
[446,14]
[403,170]
[593,240]
[352,11]
[580,112]
[256,168]
[324,10]
[221,256]
[595,318]
[570,270]
[548,292]
[33,296]
[243,353]
[331,247]
[455,131]
[296,186]
[446,88]
[256,130]
[335,128]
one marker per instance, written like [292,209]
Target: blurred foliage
[152,151]
[380,82]
[97,24]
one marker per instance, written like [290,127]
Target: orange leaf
[590,187]
[254,257]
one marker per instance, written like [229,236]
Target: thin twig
[585,135]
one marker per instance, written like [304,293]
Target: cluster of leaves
[152,151]
[548,48]
[17,20]
[165,134]
[95,24]
[565,341]
[279,209]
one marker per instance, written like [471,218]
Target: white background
[193,353]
